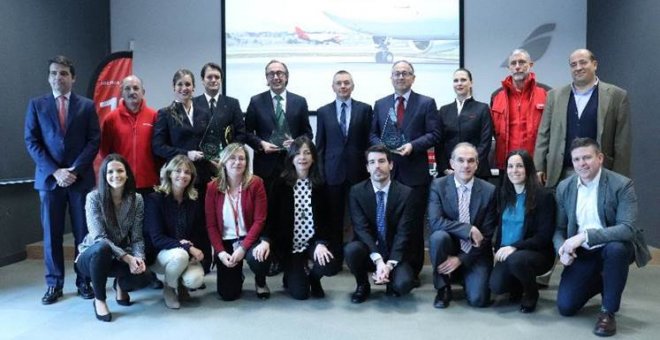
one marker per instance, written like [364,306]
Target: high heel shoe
[104,318]
[122,302]
[528,302]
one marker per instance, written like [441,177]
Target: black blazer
[260,123]
[420,126]
[398,217]
[279,223]
[538,228]
[474,125]
[343,160]
[228,111]
[173,134]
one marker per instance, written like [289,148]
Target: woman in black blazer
[179,130]
[464,120]
[296,227]
[523,240]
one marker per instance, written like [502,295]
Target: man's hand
[405,149]
[542,177]
[476,236]
[450,264]
[287,143]
[64,177]
[382,274]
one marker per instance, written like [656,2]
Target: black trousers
[98,263]
[297,274]
[230,280]
[358,261]
[518,273]
[205,171]
[337,198]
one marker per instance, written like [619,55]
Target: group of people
[563,156]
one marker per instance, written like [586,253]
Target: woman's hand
[503,253]
[225,258]
[196,254]
[322,255]
[135,265]
[237,256]
[195,155]
[261,251]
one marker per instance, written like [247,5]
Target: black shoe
[51,296]
[85,291]
[528,302]
[361,293]
[316,290]
[203,286]
[442,298]
[515,297]
[417,282]
[122,302]
[605,325]
[104,318]
[389,291]
[263,293]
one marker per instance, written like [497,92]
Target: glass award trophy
[391,136]
[214,139]
[280,134]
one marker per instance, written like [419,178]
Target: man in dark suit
[62,137]
[417,120]
[462,219]
[381,212]
[596,237]
[342,137]
[226,119]
[270,112]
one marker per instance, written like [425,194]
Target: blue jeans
[603,270]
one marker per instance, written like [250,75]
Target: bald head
[132,92]
[583,68]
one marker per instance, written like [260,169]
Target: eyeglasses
[402,74]
[518,62]
[272,74]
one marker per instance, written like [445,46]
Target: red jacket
[129,135]
[253,206]
[516,116]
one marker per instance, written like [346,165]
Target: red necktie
[399,111]
[62,112]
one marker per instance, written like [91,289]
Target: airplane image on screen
[317,38]
[431,27]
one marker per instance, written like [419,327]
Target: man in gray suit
[461,213]
[588,107]
[596,238]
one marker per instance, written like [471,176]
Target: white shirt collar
[591,184]
[208,98]
[67,95]
[468,184]
[386,188]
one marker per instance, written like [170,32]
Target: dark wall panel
[624,35]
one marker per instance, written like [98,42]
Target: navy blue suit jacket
[51,149]
[228,111]
[173,134]
[260,123]
[420,127]
[343,160]
[473,125]
[398,217]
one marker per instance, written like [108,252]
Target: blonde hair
[166,182]
[222,182]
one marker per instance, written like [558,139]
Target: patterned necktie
[464,214]
[279,111]
[342,121]
[380,223]
[61,112]
[400,108]
[212,105]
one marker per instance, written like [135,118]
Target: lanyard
[234,208]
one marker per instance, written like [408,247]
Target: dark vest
[585,126]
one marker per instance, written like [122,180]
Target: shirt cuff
[375,257]
[392,263]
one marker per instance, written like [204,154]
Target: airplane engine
[429,47]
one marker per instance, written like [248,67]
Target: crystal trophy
[280,134]
[214,139]
[391,136]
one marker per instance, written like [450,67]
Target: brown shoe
[606,324]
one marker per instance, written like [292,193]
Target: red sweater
[129,135]
[516,117]
[253,206]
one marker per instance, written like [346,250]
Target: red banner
[105,87]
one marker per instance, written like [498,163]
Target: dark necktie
[464,213]
[61,112]
[400,108]
[212,105]
[342,120]
[380,224]
[279,111]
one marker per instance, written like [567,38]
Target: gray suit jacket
[617,209]
[613,131]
